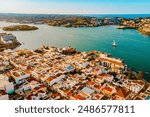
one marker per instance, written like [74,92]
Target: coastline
[117,49]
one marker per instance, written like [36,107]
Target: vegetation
[140,75]
[141,24]
[145,30]
[19,28]
[12,45]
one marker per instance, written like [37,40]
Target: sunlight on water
[133,47]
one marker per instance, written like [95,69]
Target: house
[6,85]
[102,77]
[122,94]
[83,94]
[78,97]
[8,38]
[97,96]
[108,90]
[97,87]
[90,83]
[136,86]
[87,90]
[19,76]
[3,95]
[52,81]
[9,87]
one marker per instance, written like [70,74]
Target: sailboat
[114,44]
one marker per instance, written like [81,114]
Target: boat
[146,73]
[114,44]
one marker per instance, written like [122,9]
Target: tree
[140,75]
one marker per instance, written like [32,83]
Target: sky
[75,6]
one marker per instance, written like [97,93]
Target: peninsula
[141,24]
[19,28]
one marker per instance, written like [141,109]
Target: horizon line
[79,13]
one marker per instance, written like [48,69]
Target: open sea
[133,46]
[119,15]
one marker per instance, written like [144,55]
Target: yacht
[114,44]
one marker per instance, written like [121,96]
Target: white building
[56,80]
[6,85]
[135,88]
[19,76]
[9,87]
[8,38]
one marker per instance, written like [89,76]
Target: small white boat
[114,44]
[146,73]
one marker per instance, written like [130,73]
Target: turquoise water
[119,15]
[133,47]
[148,98]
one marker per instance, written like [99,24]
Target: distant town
[141,24]
[51,73]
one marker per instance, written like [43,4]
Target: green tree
[140,75]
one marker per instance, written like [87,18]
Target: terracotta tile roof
[83,94]
[122,92]
[79,97]
[108,89]
[98,87]
[90,83]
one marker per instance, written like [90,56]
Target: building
[108,90]
[9,87]
[8,38]
[52,80]
[6,85]
[122,94]
[19,76]
[88,91]
[117,65]
[3,95]
[104,77]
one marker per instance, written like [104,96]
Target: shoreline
[141,26]
[86,52]
[145,80]
[105,25]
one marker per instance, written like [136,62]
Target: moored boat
[114,44]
